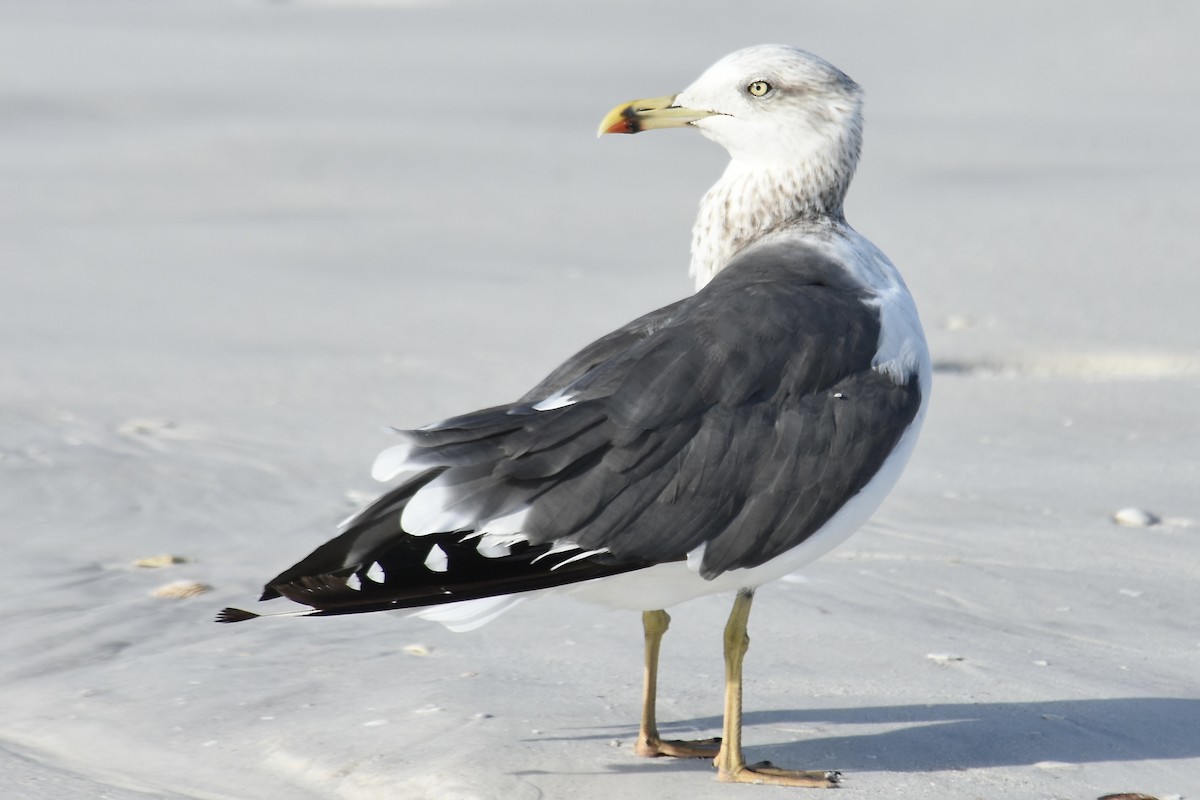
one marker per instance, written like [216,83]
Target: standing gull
[709,446]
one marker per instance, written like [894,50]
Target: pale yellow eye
[758,88]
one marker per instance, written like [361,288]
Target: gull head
[769,104]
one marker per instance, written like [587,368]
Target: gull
[710,446]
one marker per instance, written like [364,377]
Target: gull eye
[759,88]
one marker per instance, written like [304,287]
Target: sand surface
[238,239]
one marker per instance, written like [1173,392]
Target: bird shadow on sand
[955,736]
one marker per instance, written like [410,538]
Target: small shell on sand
[179,590]
[944,658]
[1135,518]
[158,562]
[417,649]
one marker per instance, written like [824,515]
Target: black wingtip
[235,615]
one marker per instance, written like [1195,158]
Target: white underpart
[436,561]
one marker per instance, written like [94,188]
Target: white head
[792,123]
[779,106]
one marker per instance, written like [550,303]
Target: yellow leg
[731,765]
[649,743]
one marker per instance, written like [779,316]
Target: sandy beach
[240,239]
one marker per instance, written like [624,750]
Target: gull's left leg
[649,743]
[731,765]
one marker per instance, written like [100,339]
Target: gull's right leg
[649,743]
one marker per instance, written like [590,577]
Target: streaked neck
[752,200]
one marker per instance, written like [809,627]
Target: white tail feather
[394,462]
[468,615]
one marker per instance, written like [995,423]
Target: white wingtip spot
[376,574]
[585,554]
[436,561]
[353,582]
[493,547]
[561,546]
[556,400]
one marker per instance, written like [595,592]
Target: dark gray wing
[741,418]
